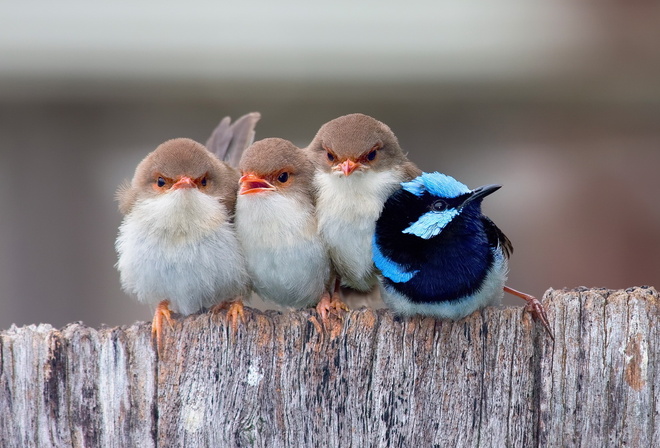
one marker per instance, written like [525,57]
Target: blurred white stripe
[270,40]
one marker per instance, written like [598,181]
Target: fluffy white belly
[286,259]
[347,209]
[194,265]
[295,276]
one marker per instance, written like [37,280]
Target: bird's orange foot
[323,307]
[235,311]
[533,307]
[332,305]
[162,312]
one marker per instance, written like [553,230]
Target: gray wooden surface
[492,379]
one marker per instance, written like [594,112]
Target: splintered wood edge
[553,300]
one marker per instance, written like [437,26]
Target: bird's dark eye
[330,157]
[371,155]
[203,182]
[160,182]
[439,206]
[283,177]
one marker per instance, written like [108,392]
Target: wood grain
[373,379]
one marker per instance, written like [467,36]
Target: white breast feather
[180,246]
[286,258]
[347,209]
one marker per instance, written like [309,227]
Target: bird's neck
[182,214]
[274,219]
[358,196]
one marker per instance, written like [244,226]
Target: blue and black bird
[439,255]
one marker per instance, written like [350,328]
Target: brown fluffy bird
[359,165]
[177,245]
[277,227]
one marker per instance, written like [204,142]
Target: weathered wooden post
[492,379]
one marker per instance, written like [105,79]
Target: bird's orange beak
[348,166]
[251,184]
[184,182]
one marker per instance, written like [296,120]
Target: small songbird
[276,225]
[177,245]
[439,255]
[359,164]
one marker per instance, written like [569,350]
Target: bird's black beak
[482,192]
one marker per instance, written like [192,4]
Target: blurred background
[558,102]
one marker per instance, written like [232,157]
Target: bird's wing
[228,141]
[497,237]
[389,268]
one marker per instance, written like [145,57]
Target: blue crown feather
[437,184]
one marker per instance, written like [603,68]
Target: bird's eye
[371,155]
[283,177]
[203,182]
[160,182]
[439,206]
[330,157]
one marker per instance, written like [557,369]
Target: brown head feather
[353,137]
[270,157]
[176,158]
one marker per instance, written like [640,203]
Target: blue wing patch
[431,224]
[437,184]
[390,269]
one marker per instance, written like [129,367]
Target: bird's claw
[536,309]
[533,307]
[162,312]
[332,305]
[323,307]
[235,311]
[327,307]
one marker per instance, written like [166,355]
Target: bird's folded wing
[496,237]
[390,269]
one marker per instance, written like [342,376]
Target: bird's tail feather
[228,141]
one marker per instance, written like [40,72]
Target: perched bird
[177,245]
[227,142]
[439,255]
[276,225]
[359,165]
